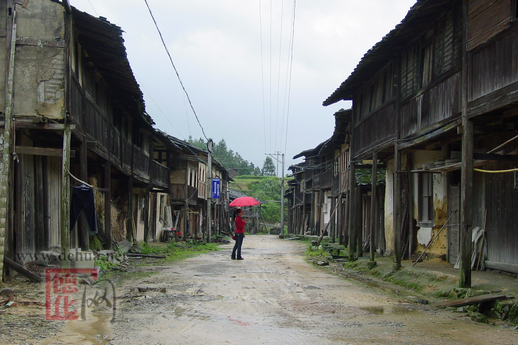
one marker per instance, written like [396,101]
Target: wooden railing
[127,157]
[438,103]
[140,163]
[377,128]
[324,180]
[181,192]
[159,175]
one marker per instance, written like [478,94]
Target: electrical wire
[262,73]
[176,71]
[290,69]
[158,107]
[276,138]
[279,77]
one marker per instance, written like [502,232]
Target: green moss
[478,317]
[351,264]
[94,243]
[513,313]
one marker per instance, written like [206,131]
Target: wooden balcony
[181,192]
[324,180]
[105,138]
[159,175]
[435,105]
[376,129]
[141,168]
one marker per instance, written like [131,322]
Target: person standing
[239,235]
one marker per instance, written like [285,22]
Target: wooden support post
[374,213]
[466,204]
[130,223]
[146,212]
[397,208]
[107,206]
[411,235]
[332,230]
[83,173]
[5,168]
[466,188]
[397,176]
[65,197]
[352,212]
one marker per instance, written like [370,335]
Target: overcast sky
[234,60]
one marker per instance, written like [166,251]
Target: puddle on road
[389,310]
[94,330]
[179,312]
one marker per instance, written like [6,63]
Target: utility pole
[282,186]
[209,188]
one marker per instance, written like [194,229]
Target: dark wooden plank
[470,300]
[41,151]
[486,22]
[22,270]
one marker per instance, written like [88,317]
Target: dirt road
[272,297]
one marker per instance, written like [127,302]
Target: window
[426,214]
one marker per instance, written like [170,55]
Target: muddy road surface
[272,297]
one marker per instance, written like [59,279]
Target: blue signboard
[215,188]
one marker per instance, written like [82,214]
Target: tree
[232,161]
[268,167]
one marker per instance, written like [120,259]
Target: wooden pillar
[130,223]
[466,188]
[6,226]
[410,198]
[374,207]
[352,213]
[186,205]
[397,208]
[186,219]
[83,174]
[65,198]
[397,176]
[332,227]
[146,212]
[466,197]
[107,206]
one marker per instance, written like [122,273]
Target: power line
[262,70]
[176,71]
[290,68]
[158,106]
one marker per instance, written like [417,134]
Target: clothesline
[79,180]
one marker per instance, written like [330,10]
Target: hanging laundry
[83,200]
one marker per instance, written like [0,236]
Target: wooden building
[73,115]
[318,194]
[436,101]
[189,190]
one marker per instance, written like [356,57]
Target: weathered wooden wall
[493,68]
[486,19]
[502,220]
[376,129]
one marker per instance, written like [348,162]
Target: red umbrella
[244,201]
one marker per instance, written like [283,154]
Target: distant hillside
[266,189]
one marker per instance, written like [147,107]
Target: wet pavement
[275,296]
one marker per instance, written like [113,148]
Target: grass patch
[407,280]
[175,251]
[312,253]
